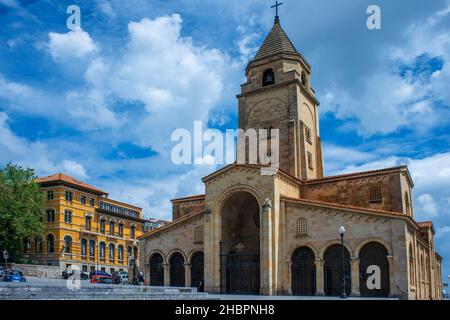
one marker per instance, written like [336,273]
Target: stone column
[390,259]
[288,276]
[266,249]
[187,274]
[146,272]
[212,249]
[166,274]
[320,285]
[354,263]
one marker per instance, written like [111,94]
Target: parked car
[102,279]
[123,275]
[14,276]
[99,273]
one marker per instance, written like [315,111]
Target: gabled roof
[171,224]
[276,42]
[62,178]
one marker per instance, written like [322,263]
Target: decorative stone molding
[267,204]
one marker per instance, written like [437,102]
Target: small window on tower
[268,78]
[304,79]
[310,161]
[375,193]
[308,135]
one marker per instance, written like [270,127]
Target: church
[282,234]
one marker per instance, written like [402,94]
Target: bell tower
[278,95]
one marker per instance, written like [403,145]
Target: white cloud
[386,100]
[337,157]
[90,110]
[10,4]
[177,81]
[37,155]
[74,44]
[427,205]
[431,176]
[74,169]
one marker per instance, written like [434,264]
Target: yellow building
[84,228]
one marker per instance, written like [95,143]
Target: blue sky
[100,103]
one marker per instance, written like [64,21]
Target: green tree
[21,208]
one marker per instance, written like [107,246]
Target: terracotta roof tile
[60,177]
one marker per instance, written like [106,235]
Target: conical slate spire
[276,42]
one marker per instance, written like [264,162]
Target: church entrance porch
[374,271]
[303,272]
[240,245]
[333,271]
[197,270]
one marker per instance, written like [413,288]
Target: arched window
[411,264]
[102,247]
[304,79]
[102,225]
[88,222]
[67,244]
[198,235]
[111,252]
[112,225]
[50,243]
[27,244]
[83,248]
[268,78]
[120,229]
[132,231]
[120,252]
[407,205]
[38,244]
[302,227]
[92,248]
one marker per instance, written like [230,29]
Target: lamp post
[342,232]
[135,244]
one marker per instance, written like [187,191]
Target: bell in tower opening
[268,78]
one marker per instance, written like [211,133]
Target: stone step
[98,292]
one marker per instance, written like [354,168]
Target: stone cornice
[335,206]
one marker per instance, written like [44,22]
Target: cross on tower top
[276,5]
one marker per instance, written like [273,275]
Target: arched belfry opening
[239,245]
[268,78]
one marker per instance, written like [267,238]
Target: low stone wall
[40,271]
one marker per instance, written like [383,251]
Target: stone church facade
[278,234]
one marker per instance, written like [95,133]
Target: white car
[123,277]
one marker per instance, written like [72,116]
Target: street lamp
[342,232]
[135,245]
